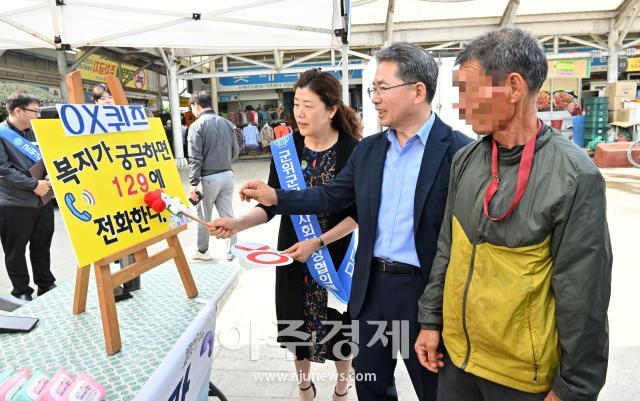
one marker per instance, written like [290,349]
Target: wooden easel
[107,281]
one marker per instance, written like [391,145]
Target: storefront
[258,104]
[269,92]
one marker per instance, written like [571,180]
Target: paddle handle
[194,218]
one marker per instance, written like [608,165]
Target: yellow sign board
[570,68]
[633,64]
[96,68]
[100,182]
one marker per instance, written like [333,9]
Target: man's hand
[427,349]
[552,396]
[259,191]
[224,227]
[42,188]
[192,193]
[301,251]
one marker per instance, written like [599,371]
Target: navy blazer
[360,181]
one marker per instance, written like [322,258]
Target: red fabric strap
[524,171]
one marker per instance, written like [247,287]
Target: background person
[102,95]
[23,218]
[212,147]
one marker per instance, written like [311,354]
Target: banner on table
[100,182]
[184,373]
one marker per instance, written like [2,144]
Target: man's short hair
[503,51]
[414,65]
[20,99]
[202,98]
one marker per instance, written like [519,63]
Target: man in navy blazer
[398,180]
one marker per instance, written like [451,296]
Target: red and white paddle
[159,201]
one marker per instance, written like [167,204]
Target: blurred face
[105,99]
[311,114]
[392,99]
[21,116]
[483,105]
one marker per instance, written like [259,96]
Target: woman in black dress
[329,131]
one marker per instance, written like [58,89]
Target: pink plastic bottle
[57,387]
[85,388]
[12,385]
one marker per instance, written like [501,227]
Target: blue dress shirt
[394,234]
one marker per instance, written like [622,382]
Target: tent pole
[214,87]
[174,104]
[159,91]
[62,70]
[345,73]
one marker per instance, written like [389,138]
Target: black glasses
[36,111]
[381,89]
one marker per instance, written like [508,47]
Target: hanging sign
[569,68]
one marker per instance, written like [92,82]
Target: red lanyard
[524,171]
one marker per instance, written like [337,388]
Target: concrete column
[62,70]
[345,73]
[159,91]
[612,65]
[174,104]
[214,87]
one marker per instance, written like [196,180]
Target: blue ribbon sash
[24,146]
[319,263]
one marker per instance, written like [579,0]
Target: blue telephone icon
[70,200]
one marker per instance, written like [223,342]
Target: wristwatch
[322,244]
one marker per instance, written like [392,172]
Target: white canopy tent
[172,29]
[190,26]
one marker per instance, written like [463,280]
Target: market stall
[562,87]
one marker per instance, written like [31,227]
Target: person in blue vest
[329,132]
[23,218]
[398,180]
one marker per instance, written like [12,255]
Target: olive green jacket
[523,302]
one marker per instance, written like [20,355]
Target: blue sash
[319,263]
[24,146]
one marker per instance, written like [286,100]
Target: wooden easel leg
[110,325]
[141,255]
[183,267]
[82,286]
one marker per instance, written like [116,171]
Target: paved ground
[246,352]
